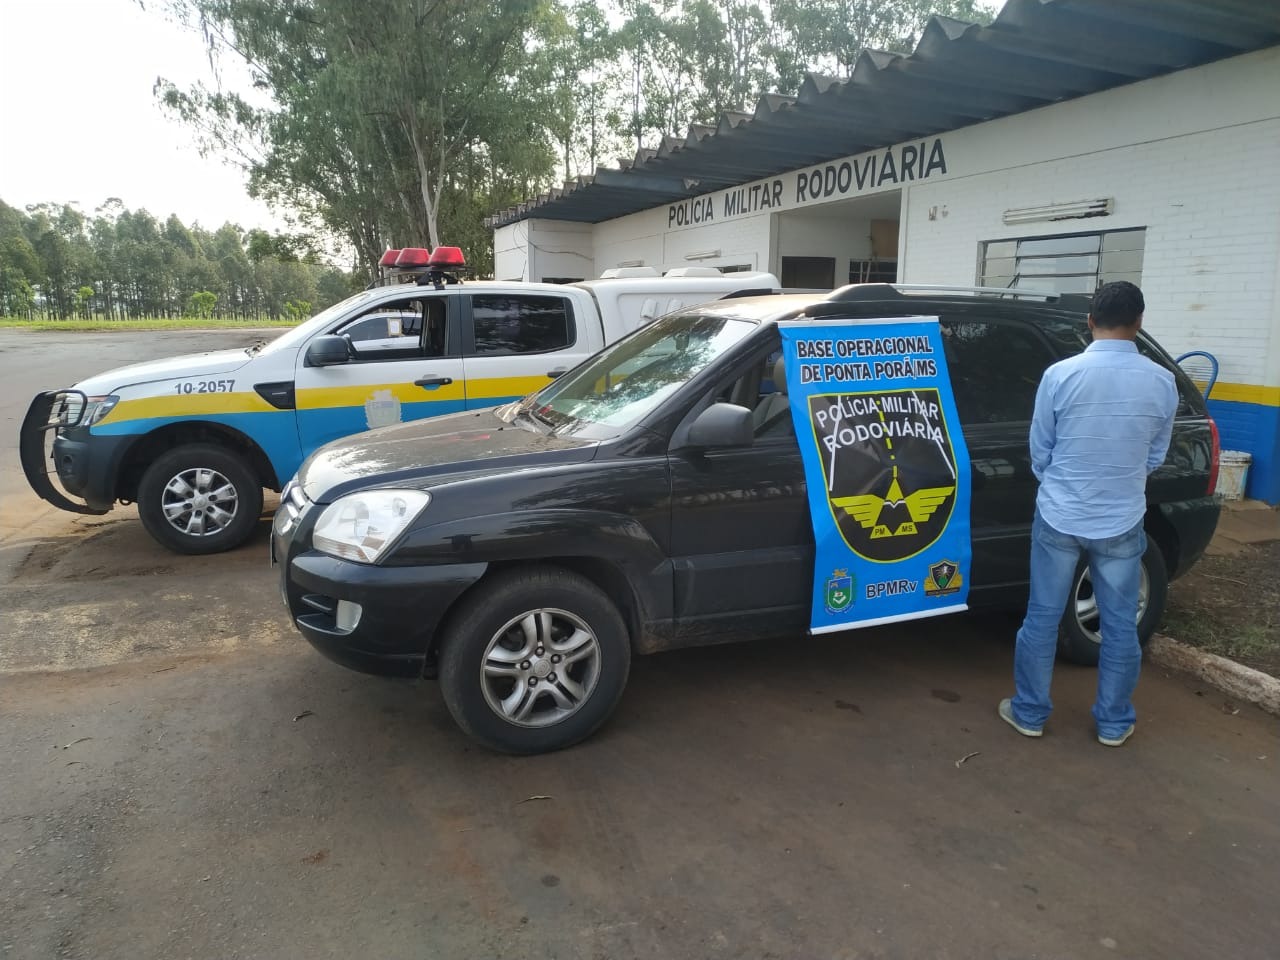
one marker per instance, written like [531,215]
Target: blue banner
[886,467]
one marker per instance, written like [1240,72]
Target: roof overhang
[1035,53]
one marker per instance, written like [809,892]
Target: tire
[490,655]
[171,508]
[1078,639]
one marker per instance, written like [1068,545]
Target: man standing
[1102,423]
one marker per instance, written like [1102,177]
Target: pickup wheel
[1079,640]
[534,661]
[199,498]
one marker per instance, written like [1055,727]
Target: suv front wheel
[1079,639]
[534,661]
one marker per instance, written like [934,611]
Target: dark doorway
[815,273]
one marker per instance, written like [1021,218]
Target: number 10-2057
[205,386]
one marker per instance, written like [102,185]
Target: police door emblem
[890,469]
[382,409]
[838,596]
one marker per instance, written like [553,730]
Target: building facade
[1171,182]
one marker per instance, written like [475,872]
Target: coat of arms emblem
[838,596]
[944,578]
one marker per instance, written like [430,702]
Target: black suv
[653,498]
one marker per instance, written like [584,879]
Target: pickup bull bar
[40,419]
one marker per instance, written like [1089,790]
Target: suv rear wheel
[1079,639]
[535,661]
[199,498]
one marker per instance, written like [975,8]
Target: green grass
[1247,643]
[146,323]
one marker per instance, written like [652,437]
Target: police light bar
[389,258]
[447,258]
[412,258]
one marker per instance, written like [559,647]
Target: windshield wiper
[526,413]
[253,348]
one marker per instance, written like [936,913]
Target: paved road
[801,799]
[32,362]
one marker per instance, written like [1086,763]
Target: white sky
[79,121]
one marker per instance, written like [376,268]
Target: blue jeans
[1115,566]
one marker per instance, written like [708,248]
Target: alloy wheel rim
[540,667]
[199,502]
[1085,600]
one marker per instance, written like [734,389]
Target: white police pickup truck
[193,440]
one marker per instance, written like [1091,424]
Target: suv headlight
[361,526]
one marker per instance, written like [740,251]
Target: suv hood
[416,453]
[191,365]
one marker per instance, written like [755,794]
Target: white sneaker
[1006,714]
[1116,741]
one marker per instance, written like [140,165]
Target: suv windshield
[619,386]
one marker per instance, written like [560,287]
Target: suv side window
[995,369]
[512,324]
[757,388]
[1145,348]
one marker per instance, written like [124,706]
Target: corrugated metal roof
[1036,52]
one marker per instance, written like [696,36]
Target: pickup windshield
[619,386]
[303,331]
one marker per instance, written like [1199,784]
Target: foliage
[297,310]
[202,303]
[57,263]
[402,122]
[377,121]
[138,323]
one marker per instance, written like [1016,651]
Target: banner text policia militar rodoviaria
[886,467]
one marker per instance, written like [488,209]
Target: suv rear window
[995,369]
[1185,387]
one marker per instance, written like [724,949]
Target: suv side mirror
[327,351]
[722,425]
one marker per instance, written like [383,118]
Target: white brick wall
[511,251]
[1193,157]
[537,249]
[1212,216]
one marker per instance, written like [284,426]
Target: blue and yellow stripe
[1248,418]
[323,414]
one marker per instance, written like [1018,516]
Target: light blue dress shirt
[1102,422]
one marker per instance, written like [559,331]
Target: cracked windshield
[624,383]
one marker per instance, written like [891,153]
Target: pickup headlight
[361,526]
[95,408]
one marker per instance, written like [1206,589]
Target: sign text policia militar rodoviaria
[886,467]
[841,178]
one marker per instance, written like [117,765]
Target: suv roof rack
[877,291]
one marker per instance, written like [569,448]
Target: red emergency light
[447,258]
[413,258]
[389,258]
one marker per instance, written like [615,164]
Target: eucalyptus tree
[364,112]
[827,36]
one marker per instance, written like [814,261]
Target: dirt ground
[1230,605]
[181,776]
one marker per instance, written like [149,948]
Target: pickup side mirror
[722,425]
[328,351]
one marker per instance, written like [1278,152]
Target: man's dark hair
[1117,304]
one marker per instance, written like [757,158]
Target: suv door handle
[558,371]
[432,381]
